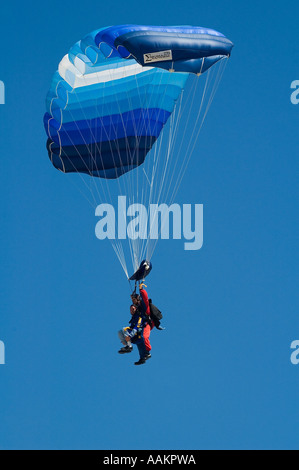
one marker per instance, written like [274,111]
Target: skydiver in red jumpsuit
[144,307]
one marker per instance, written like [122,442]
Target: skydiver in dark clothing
[134,334]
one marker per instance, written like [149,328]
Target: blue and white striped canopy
[115,90]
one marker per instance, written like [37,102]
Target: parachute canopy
[113,93]
[126,106]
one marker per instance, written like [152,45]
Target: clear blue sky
[221,375]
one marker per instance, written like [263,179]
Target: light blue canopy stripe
[164,99]
[154,77]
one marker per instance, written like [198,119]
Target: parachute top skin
[113,93]
[187,46]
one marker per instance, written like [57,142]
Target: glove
[141,286]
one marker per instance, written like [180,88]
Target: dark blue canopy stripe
[95,159]
[138,122]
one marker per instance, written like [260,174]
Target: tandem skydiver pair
[143,318]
